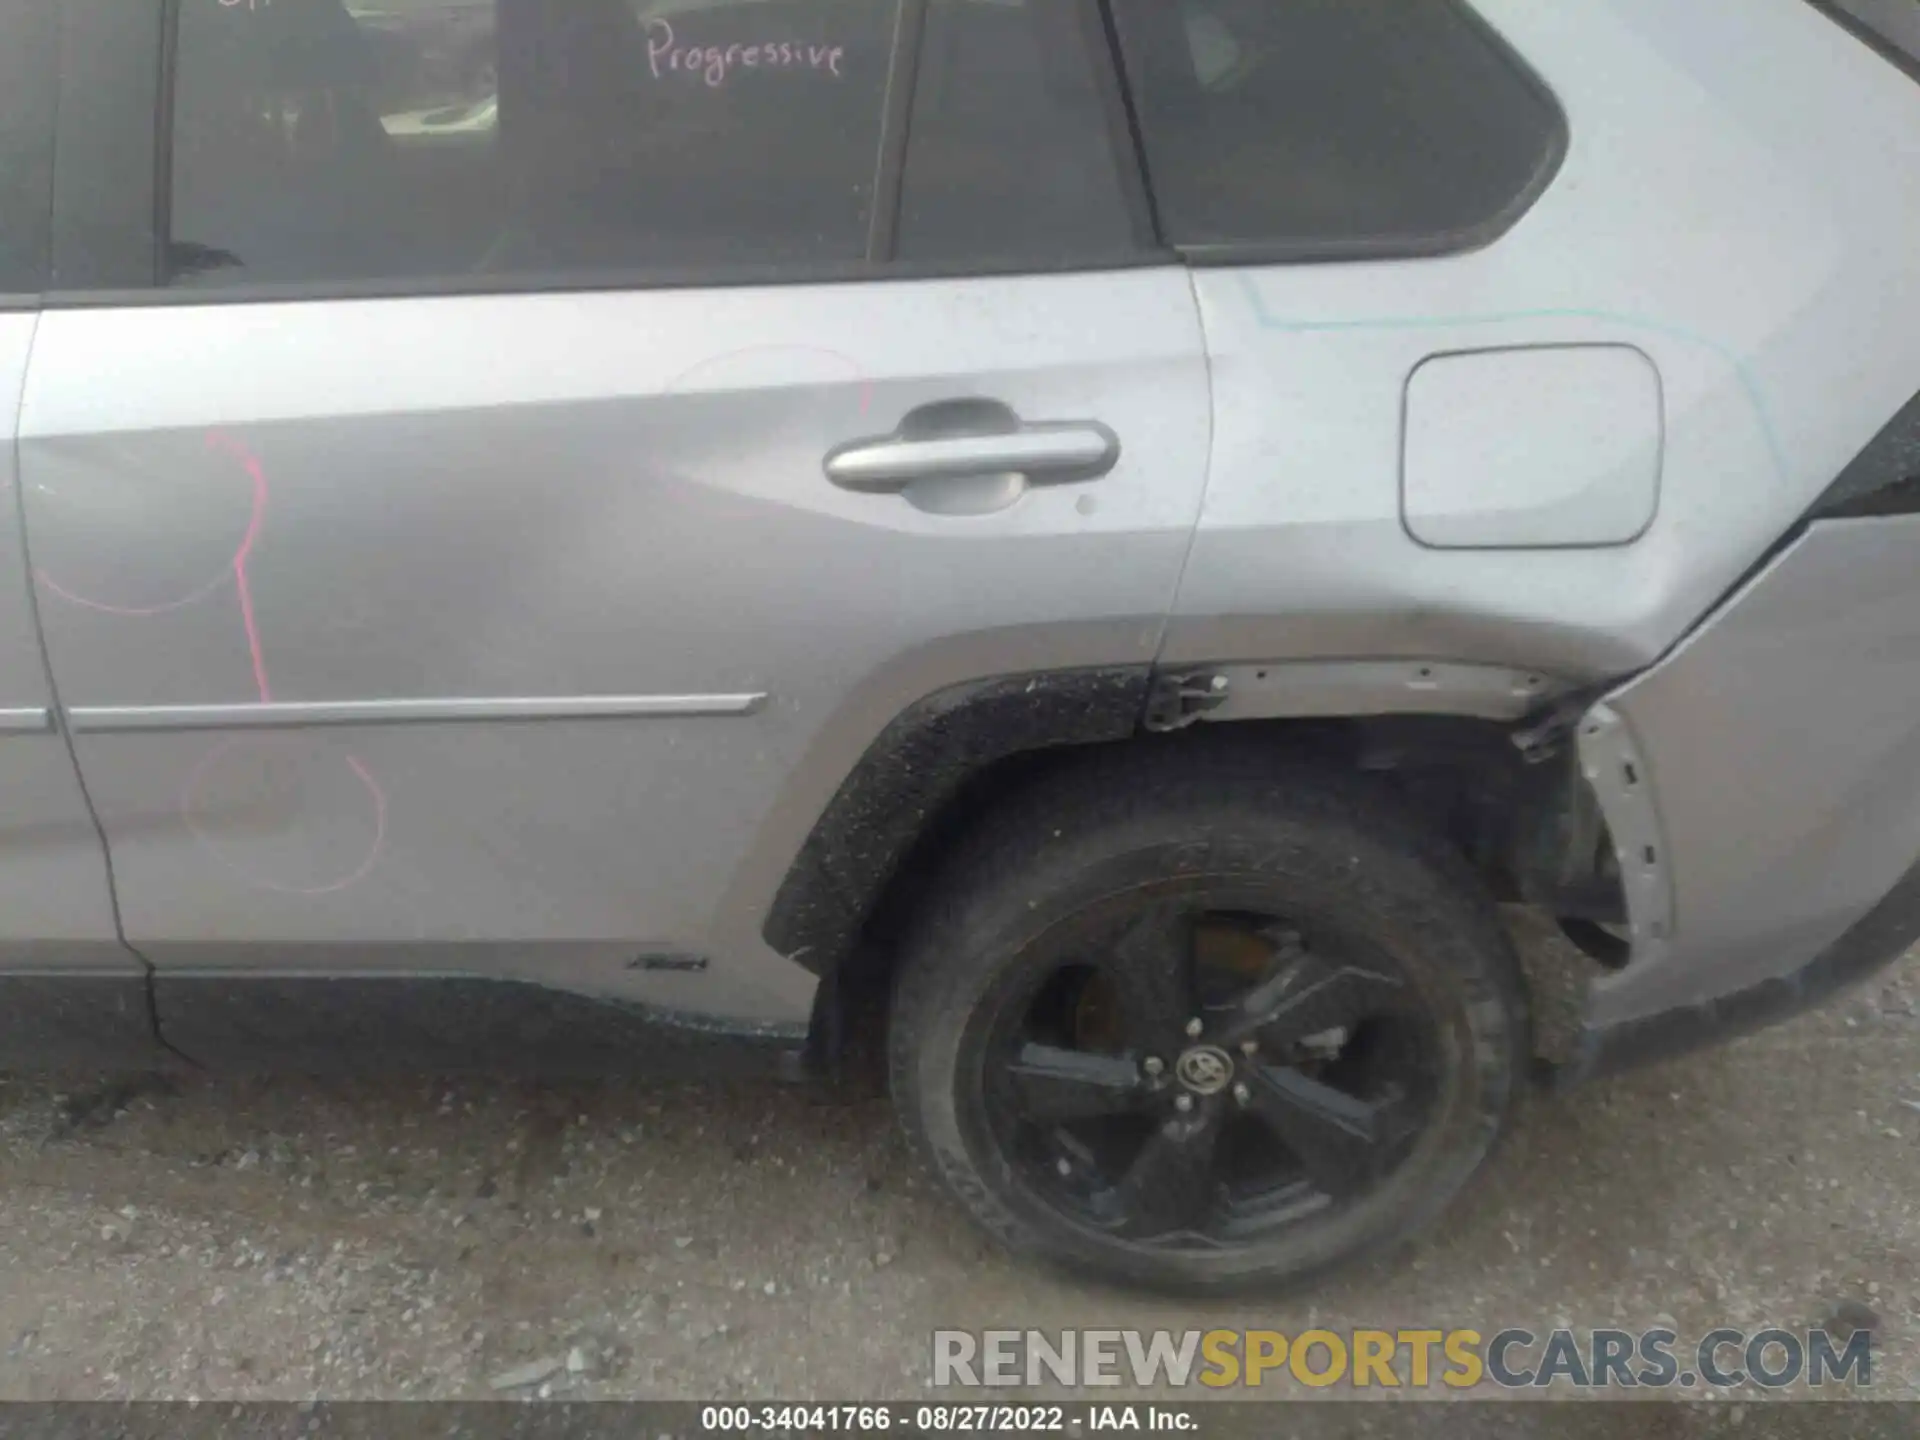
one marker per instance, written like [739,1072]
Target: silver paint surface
[56,909]
[284,553]
[1536,447]
[313,511]
[1781,744]
[1759,254]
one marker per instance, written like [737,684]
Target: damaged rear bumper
[1873,942]
[1762,785]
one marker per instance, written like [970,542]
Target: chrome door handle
[972,456]
[1040,452]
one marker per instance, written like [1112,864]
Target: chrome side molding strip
[26,721]
[123,719]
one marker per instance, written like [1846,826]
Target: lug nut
[1153,1066]
[1242,1094]
[1065,1167]
[1183,1103]
[1194,1027]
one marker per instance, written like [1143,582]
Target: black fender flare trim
[912,770]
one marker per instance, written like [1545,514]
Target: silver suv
[1089,547]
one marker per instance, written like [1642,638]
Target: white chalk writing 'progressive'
[717,64]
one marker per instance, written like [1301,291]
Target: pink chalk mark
[189,802]
[129,612]
[237,567]
[658,43]
[257,473]
[680,383]
[253,634]
[717,66]
[190,809]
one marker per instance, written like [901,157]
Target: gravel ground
[282,1238]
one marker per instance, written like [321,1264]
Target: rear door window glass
[404,140]
[29,67]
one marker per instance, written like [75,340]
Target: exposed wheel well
[1528,830]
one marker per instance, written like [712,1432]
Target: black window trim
[610,282]
[1102,37]
[163,140]
[1458,241]
[878,265]
[1870,37]
[896,131]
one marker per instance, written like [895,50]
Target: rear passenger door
[495,479]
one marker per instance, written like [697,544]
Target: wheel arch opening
[1524,819]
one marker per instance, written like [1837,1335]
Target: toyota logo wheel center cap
[1205,1069]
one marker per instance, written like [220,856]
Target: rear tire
[1040,1063]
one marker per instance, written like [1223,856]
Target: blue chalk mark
[1749,383]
